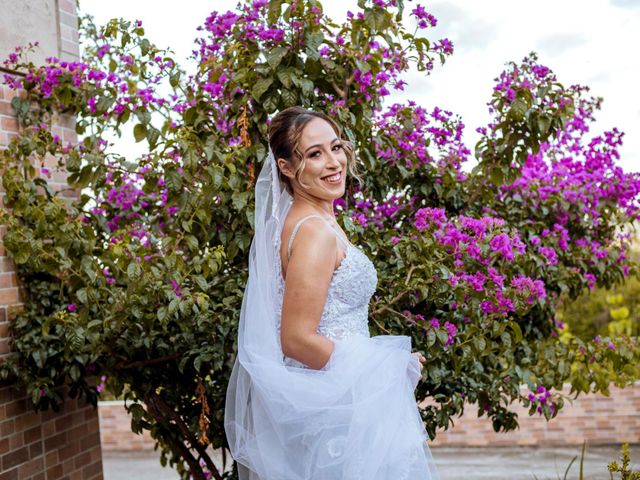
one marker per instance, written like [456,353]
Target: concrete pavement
[454,463]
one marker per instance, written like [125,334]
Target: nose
[334,158]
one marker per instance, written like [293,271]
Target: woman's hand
[420,358]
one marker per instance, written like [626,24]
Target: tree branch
[188,434]
[153,361]
[194,466]
[397,297]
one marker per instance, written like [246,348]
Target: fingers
[419,356]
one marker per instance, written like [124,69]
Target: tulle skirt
[356,419]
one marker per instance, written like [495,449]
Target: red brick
[9,123]
[9,296]
[82,459]
[6,279]
[9,474]
[70,450]
[55,472]
[16,441]
[92,470]
[27,420]
[16,407]
[56,441]
[6,109]
[5,347]
[14,458]
[35,449]
[30,468]
[68,19]
[67,6]
[32,434]
[4,445]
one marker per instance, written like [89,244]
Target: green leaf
[442,336]
[517,331]
[275,6]
[377,20]
[191,158]
[216,174]
[82,295]
[261,87]
[313,40]
[145,46]
[174,78]
[173,180]
[275,56]
[134,271]
[287,77]
[192,242]
[306,85]
[74,372]
[239,200]
[139,132]
[137,411]
[202,283]
[289,98]
[87,267]
[95,324]
[153,134]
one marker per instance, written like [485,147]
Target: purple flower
[452,331]
[445,46]
[434,215]
[424,17]
[502,244]
[550,254]
[71,307]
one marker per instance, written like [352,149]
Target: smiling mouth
[334,178]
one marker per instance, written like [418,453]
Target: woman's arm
[308,275]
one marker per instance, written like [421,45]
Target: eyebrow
[319,145]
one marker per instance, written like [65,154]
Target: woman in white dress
[312,395]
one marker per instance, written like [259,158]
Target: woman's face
[324,157]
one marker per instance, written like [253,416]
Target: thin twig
[397,297]
[386,306]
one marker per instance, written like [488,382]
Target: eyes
[337,145]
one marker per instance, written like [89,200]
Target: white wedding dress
[367,425]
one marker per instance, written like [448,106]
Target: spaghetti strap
[297,225]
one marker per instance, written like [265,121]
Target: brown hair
[285,131]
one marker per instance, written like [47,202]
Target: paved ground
[454,464]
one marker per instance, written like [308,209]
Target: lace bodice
[346,307]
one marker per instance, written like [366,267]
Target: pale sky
[590,42]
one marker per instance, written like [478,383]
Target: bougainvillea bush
[138,280]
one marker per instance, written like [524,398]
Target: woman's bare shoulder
[313,246]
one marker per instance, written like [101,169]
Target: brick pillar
[46,445]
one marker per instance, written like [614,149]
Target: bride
[312,396]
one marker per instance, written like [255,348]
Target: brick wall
[62,445]
[597,419]
[48,445]
[115,429]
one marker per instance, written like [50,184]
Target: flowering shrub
[139,279]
